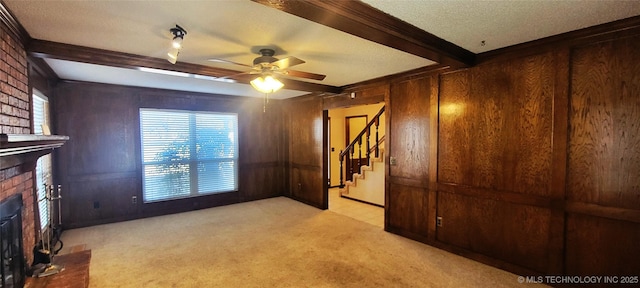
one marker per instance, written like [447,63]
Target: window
[43,165]
[187,154]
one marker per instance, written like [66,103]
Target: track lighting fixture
[176,44]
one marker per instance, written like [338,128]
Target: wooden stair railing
[350,150]
[375,149]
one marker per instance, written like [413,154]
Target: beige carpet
[275,242]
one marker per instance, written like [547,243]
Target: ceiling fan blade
[307,75]
[285,63]
[227,61]
[232,76]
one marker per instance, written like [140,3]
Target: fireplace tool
[48,236]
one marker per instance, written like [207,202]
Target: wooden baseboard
[362,201]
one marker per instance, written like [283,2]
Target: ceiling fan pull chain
[264,104]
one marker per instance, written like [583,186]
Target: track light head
[178,35]
[178,32]
[176,44]
[172,56]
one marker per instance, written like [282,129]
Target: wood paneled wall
[530,177]
[305,133]
[262,165]
[100,164]
[494,160]
[603,179]
[531,158]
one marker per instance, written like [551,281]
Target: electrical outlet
[392,160]
[134,200]
[96,204]
[439,221]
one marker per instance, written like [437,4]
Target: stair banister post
[351,161]
[359,153]
[368,144]
[377,139]
[341,170]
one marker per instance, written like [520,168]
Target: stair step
[357,192]
[361,175]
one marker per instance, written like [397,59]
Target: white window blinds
[43,165]
[187,154]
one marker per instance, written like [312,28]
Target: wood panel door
[407,200]
[306,132]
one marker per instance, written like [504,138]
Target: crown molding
[54,50]
[13,26]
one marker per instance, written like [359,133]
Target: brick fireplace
[12,262]
[19,153]
[22,184]
[15,103]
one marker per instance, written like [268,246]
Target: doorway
[344,124]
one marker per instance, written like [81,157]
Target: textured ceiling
[501,23]
[233,30]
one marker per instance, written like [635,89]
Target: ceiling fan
[268,66]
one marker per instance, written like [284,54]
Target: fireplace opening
[12,258]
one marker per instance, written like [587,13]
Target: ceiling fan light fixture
[266,84]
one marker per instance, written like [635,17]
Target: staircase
[368,185]
[367,181]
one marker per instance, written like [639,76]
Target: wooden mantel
[25,149]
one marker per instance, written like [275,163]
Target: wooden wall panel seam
[259,165]
[497,195]
[432,207]
[413,182]
[558,179]
[609,212]
[102,176]
[434,123]
[305,167]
